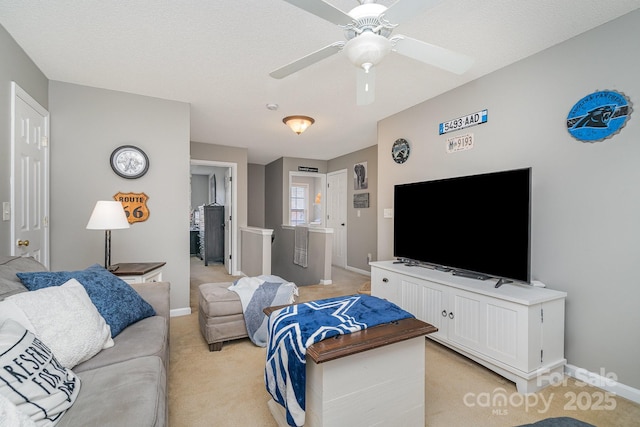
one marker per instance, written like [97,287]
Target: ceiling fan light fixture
[367,49]
[298,124]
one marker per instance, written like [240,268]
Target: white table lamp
[107,215]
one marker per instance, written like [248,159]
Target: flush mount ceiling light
[298,124]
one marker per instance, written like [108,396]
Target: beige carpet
[226,388]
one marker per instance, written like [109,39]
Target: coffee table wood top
[366,339]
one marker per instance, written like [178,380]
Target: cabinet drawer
[386,285]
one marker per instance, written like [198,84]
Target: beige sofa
[125,385]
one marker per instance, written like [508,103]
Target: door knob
[23,243]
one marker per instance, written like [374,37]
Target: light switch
[358,212]
[388,213]
[6,211]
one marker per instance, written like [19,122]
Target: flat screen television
[477,226]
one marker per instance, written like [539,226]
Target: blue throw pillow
[118,303]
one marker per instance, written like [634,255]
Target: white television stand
[515,330]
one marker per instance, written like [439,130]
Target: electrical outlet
[368,257]
[6,211]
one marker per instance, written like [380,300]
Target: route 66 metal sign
[135,206]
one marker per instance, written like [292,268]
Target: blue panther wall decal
[599,116]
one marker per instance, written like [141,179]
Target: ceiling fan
[367,30]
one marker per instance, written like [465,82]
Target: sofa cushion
[116,301]
[10,265]
[148,337]
[157,294]
[32,378]
[65,319]
[130,393]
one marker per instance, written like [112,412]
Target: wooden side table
[138,272]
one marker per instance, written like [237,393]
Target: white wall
[16,66]
[585,202]
[87,124]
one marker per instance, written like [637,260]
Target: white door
[30,177]
[228,203]
[337,215]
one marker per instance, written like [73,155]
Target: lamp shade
[108,215]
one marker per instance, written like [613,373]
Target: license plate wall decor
[469,120]
[460,143]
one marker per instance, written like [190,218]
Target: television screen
[478,223]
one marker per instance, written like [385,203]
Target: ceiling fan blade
[366,89]
[305,61]
[433,55]
[323,10]
[403,10]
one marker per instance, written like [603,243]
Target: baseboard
[603,382]
[357,270]
[180,312]
[325,282]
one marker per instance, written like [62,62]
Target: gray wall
[256,209]
[16,66]
[199,191]
[274,196]
[318,268]
[202,193]
[361,231]
[276,193]
[585,202]
[87,124]
[276,186]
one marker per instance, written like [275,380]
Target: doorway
[225,183]
[28,209]
[337,215]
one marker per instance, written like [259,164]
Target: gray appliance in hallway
[212,233]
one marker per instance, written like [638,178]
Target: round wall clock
[129,162]
[400,150]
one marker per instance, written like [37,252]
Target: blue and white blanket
[294,328]
[257,293]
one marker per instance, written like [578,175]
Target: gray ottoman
[220,314]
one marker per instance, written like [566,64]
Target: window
[306,199]
[298,203]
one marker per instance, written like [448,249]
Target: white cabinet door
[466,326]
[509,330]
[427,301]
[491,327]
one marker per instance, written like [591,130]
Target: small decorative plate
[129,162]
[599,115]
[400,150]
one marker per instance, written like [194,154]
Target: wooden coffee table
[138,272]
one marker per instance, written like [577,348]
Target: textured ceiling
[217,54]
